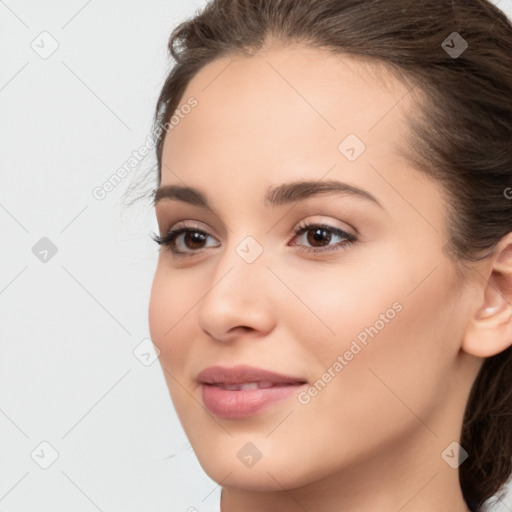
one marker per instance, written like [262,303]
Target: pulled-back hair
[461,135]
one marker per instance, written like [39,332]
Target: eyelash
[169,238]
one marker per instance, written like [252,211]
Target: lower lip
[224,403]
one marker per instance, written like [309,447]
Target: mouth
[244,391]
[252,385]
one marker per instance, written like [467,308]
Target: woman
[333,297]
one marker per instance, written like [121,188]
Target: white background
[68,374]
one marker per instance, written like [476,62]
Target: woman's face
[369,318]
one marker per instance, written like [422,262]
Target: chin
[251,479]
[269,473]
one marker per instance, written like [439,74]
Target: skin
[373,438]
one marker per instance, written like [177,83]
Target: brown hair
[461,135]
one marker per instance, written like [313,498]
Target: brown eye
[194,240]
[319,236]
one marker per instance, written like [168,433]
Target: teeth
[246,386]
[242,387]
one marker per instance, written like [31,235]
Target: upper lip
[243,373]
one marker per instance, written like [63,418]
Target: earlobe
[489,330]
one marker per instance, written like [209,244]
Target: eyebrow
[275,196]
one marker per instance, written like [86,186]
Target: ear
[489,329]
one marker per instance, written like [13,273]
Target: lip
[226,403]
[243,373]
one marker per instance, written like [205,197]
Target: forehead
[282,114]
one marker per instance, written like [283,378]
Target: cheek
[398,342]
[167,315]
[158,308]
[170,316]
[354,301]
[392,318]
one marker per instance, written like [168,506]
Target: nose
[239,299]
